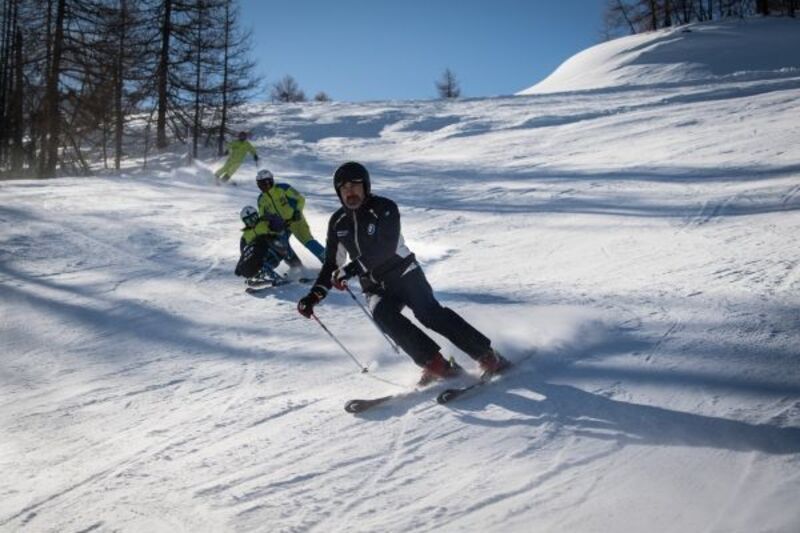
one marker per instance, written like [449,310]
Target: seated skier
[263,245]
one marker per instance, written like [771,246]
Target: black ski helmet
[351,172]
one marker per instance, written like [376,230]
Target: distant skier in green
[236,152]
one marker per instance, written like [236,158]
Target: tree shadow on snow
[553,191]
[104,314]
[596,416]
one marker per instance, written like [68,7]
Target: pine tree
[447,86]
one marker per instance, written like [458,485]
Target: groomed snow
[639,243]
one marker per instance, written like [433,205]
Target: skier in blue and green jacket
[284,201]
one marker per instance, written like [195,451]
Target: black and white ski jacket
[370,236]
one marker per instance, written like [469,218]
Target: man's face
[352,194]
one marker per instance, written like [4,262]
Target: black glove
[341,275]
[255,158]
[226,152]
[275,222]
[306,304]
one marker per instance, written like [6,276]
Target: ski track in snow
[641,240]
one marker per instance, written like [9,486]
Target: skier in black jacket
[367,229]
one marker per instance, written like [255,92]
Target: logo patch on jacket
[342,233]
[371,229]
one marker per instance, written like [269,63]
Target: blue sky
[360,50]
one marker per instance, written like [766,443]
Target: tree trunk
[163,74]
[119,119]
[653,8]
[6,36]
[51,99]
[198,67]
[224,121]
[624,11]
[41,113]
[15,107]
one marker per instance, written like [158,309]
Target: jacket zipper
[355,222]
[275,207]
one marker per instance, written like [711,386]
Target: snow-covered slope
[730,49]
[640,244]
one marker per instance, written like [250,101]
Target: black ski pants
[411,288]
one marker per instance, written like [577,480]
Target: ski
[256,287]
[359,406]
[449,395]
[452,393]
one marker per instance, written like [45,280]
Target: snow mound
[744,48]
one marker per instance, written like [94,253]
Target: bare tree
[286,90]
[119,69]
[617,16]
[132,55]
[11,85]
[646,15]
[447,86]
[52,111]
[16,103]
[652,9]
[74,72]
[322,96]
[162,74]
[205,45]
[238,79]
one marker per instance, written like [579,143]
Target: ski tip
[353,406]
[359,406]
[448,395]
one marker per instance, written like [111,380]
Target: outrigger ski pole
[364,369]
[372,319]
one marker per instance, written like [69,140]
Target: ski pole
[372,319]
[342,346]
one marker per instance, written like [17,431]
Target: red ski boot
[493,363]
[438,368]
